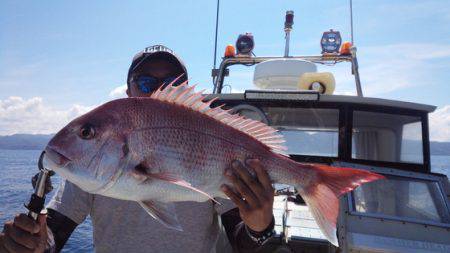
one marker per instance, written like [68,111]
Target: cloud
[383,69]
[119,92]
[345,93]
[410,11]
[19,115]
[13,76]
[388,68]
[440,124]
[390,75]
[411,51]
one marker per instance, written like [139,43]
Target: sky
[59,59]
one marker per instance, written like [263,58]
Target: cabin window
[411,147]
[240,79]
[387,137]
[402,198]
[307,131]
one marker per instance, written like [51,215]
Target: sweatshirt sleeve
[71,202]
[239,235]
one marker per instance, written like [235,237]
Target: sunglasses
[148,84]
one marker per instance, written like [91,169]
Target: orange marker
[230,51]
[345,48]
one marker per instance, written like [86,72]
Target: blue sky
[62,58]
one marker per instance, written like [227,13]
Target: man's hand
[24,235]
[253,196]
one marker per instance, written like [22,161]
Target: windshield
[307,131]
[240,78]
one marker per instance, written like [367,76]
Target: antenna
[355,66]
[351,20]
[214,74]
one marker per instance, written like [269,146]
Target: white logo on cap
[157,48]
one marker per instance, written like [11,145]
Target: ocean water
[18,166]
[16,169]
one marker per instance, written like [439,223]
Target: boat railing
[219,74]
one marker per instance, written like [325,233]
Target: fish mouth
[56,157]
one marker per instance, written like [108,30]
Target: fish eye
[87,131]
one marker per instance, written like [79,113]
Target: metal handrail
[322,59]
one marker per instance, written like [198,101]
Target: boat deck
[300,222]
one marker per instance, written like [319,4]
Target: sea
[18,166]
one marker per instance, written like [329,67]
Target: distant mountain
[305,144]
[25,141]
[440,148]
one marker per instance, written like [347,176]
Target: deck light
[230,51]
[331,42]
[306,95]
[245,44]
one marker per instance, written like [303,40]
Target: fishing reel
[42,185]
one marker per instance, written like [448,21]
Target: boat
[407,212]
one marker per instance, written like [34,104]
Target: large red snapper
[174,147]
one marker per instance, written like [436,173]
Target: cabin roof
[353,100]
[377,101]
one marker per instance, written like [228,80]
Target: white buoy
[324,82]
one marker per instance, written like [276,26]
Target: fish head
[89,150]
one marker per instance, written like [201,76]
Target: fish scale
[200,163]
[174,146]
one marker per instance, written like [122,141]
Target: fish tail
[322,194]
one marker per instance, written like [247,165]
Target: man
[123,226]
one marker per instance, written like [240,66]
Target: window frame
[406,175]
[417,167]
[345,127]
[318,158]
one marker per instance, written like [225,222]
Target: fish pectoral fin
[142,173]
[162,212]
[172,178]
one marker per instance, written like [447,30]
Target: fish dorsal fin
[185,95]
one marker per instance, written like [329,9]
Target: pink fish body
[175,147]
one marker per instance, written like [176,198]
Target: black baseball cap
[157,52]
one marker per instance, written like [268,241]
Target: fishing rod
[37,200]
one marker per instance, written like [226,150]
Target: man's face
[158,69]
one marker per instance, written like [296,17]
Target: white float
[324,82]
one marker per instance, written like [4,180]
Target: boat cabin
[408,212]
